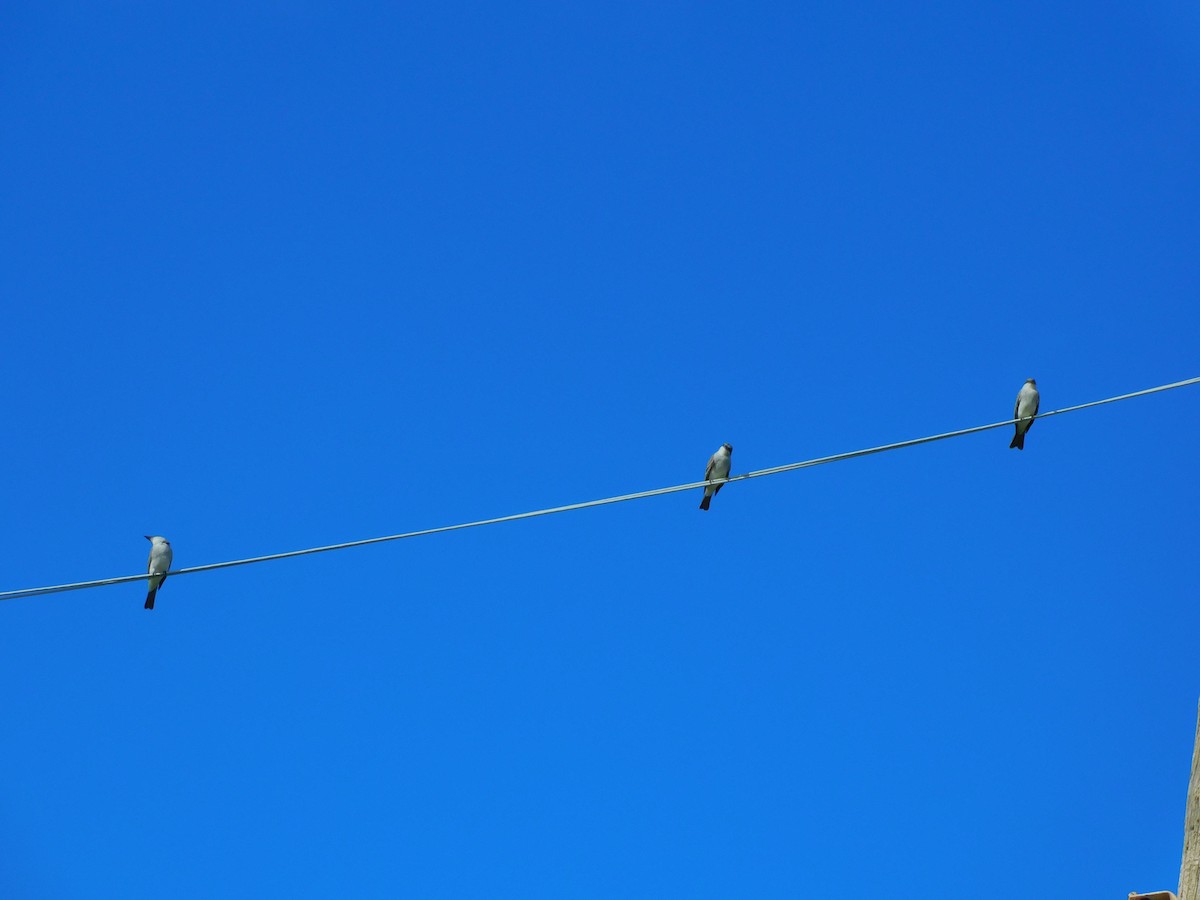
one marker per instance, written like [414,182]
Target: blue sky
[305,273]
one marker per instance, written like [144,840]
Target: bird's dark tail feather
[1018,441]
[150,599]
[704,503]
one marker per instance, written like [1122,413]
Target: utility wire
[640,495]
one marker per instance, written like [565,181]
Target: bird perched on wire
[158,566]
[1026,408]
[718,467]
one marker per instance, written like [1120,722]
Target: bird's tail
[150,598]
[1018,441]
[704,503]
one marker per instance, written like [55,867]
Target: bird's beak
[147,537]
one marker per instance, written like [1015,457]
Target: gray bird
[718,467]
[158,566]
[1024,411]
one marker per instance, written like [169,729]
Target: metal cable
[640,495]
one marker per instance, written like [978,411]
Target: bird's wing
[712,461]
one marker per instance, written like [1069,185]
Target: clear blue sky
[304,273]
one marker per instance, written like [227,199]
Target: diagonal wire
[640,495]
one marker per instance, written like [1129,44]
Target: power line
[640,495]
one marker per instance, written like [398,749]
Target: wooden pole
[1189,868]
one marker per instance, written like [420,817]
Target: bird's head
[728,448]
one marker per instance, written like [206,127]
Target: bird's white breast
[1027,402]
[720,467]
